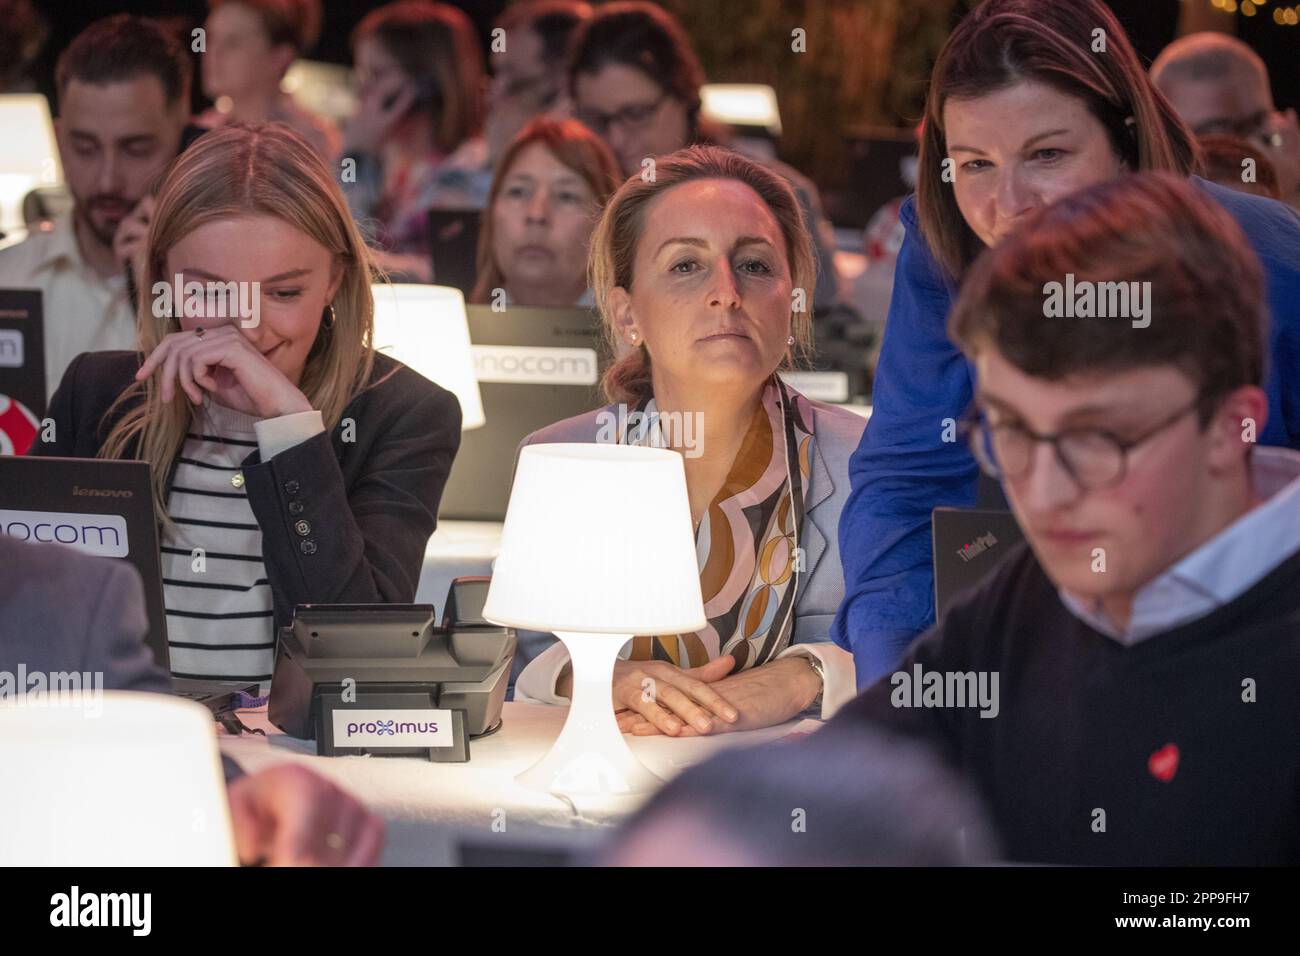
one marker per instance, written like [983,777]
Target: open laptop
[535,367]
[968,544]
[453,243]
[105,508]
[22,369]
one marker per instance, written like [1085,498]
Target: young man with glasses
[1146,638]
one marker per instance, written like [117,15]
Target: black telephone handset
[465,600]
[426,92]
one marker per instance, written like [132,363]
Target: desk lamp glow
[741,104]
[127,779]
[322,88]
[424,326]
[597,546]
[30,157]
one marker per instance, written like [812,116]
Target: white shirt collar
[58,244]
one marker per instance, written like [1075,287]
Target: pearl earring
[790,340]
[632,337]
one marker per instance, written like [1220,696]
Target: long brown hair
[262,170]
[572,144]
[437,47]
[1003,42]
[613,250]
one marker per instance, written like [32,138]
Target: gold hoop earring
[329,323]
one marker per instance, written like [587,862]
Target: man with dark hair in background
[528,66]
[123,89]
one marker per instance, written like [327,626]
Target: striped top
[220,617]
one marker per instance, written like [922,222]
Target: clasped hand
[655,697]
[224,363]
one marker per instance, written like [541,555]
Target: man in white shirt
[123,88]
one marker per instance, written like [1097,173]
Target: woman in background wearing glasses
[1021,112]
[635,80]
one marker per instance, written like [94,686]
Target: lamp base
[590,757]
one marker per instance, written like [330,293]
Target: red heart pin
[1163,764]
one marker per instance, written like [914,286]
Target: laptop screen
[22,369]
[968,544]
[97,506]
[535,367]
[453,244]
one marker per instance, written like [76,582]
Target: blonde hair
[613,251]
[263,170]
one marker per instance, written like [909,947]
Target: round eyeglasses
[1093,457]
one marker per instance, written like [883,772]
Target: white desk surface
[428,806]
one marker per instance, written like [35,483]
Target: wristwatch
[819,669]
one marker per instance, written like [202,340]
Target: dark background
[865,71]
[1150,24]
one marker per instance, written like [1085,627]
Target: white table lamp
[126,779]
[424,326]
[30,157]
[598,547]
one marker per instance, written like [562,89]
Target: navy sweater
[903,468]
[1101,754]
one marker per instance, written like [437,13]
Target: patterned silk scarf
[746,543]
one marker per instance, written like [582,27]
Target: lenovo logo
[78,491]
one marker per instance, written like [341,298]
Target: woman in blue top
[1028,102]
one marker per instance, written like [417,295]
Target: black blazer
[342,522]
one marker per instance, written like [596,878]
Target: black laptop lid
[535,367]
[22,369]
[97,506]
[968,544]
[453,244]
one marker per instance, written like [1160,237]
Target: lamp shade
[597,539]
[122,779]
[424,326]
[30,157]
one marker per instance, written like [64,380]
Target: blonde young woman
[704,276]
[291,463]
